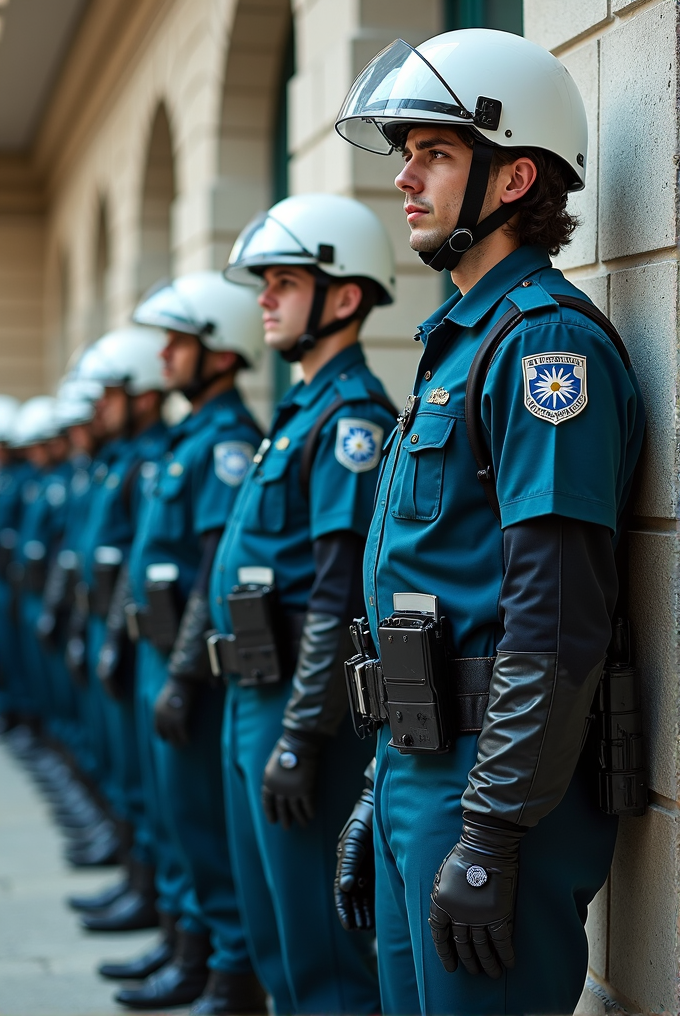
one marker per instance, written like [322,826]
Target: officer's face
[180,356]
[433,180]
[112,412]
[286,302]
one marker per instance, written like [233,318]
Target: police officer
[213,331]
[293,548]
[493,136]
[126,363]
[11,471]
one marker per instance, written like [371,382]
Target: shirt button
[415,438]
[427,375]
[527,282]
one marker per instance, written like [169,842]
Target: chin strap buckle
[461,240]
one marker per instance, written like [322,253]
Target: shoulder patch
[232,461]
[555,387]
[358,444]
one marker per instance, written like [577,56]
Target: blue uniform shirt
[43,494]
[197,481]
[274,522]
[564,421]
[12,478]
[110,516]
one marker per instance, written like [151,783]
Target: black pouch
[253,650]
[8,542]
[622,777]
[107,563]
[418,691]
[364,678]
[159,623]
[35,567]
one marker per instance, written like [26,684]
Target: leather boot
[179,982]
[104,850]
[134,910]
[229,994]
[100,900]
[151,961]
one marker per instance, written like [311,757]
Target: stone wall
[623,56]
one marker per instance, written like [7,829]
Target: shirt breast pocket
[266,510]
[170,491]
[420,470]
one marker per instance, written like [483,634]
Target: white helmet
[36,421]
[9,408]
[508,91]
[335,237]
[127,357]
[338,235]
[75,401]
[223,317]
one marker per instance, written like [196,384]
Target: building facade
[158,128]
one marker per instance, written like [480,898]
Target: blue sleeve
[345,470]
[218,476]
[565,422]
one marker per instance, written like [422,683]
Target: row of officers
[184,609]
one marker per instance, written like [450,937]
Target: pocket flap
[430,430]
[274,464]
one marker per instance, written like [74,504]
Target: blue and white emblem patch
[555,386]
[232,461]
[358,444]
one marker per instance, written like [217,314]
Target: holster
[32,572]
[158,620]
[622,776]
[417,685]
[8,542]
[105,571]
[264,644]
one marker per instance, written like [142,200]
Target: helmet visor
[266,241]
[165,308]
[398,84]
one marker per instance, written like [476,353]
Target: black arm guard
[115,666]
[76,649]
[54,605]
[189,657]
[318,701]
[557,597]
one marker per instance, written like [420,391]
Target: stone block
[583,65]
[597,929]
[644,912]
[553,23]
[597,288]
[402,17]
[638,130]
[623,6]
[644,309]
[653,571]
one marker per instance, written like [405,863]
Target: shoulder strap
[480,368]
[312,443]
[129,482]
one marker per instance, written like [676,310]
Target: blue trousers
[173,877]
[197,811]
[16,695]
[33,664]
[564,860]
[284,878]
[124,784]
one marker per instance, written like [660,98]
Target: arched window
[158,194]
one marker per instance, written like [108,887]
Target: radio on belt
[252,651]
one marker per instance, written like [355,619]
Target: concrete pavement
[47,964]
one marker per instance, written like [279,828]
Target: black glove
[473,898]
[76,648]
[57,601]
[354,886]
[290,777]
[189,659]
[172,711]
[115,665]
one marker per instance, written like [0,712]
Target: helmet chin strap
[469,231]
[198,383]
[313,332]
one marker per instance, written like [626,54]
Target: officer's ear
[345,299]
[223,360]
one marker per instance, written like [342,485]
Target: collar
[231,399]
[347,359]
[467,311]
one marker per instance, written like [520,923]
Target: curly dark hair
[543,217]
